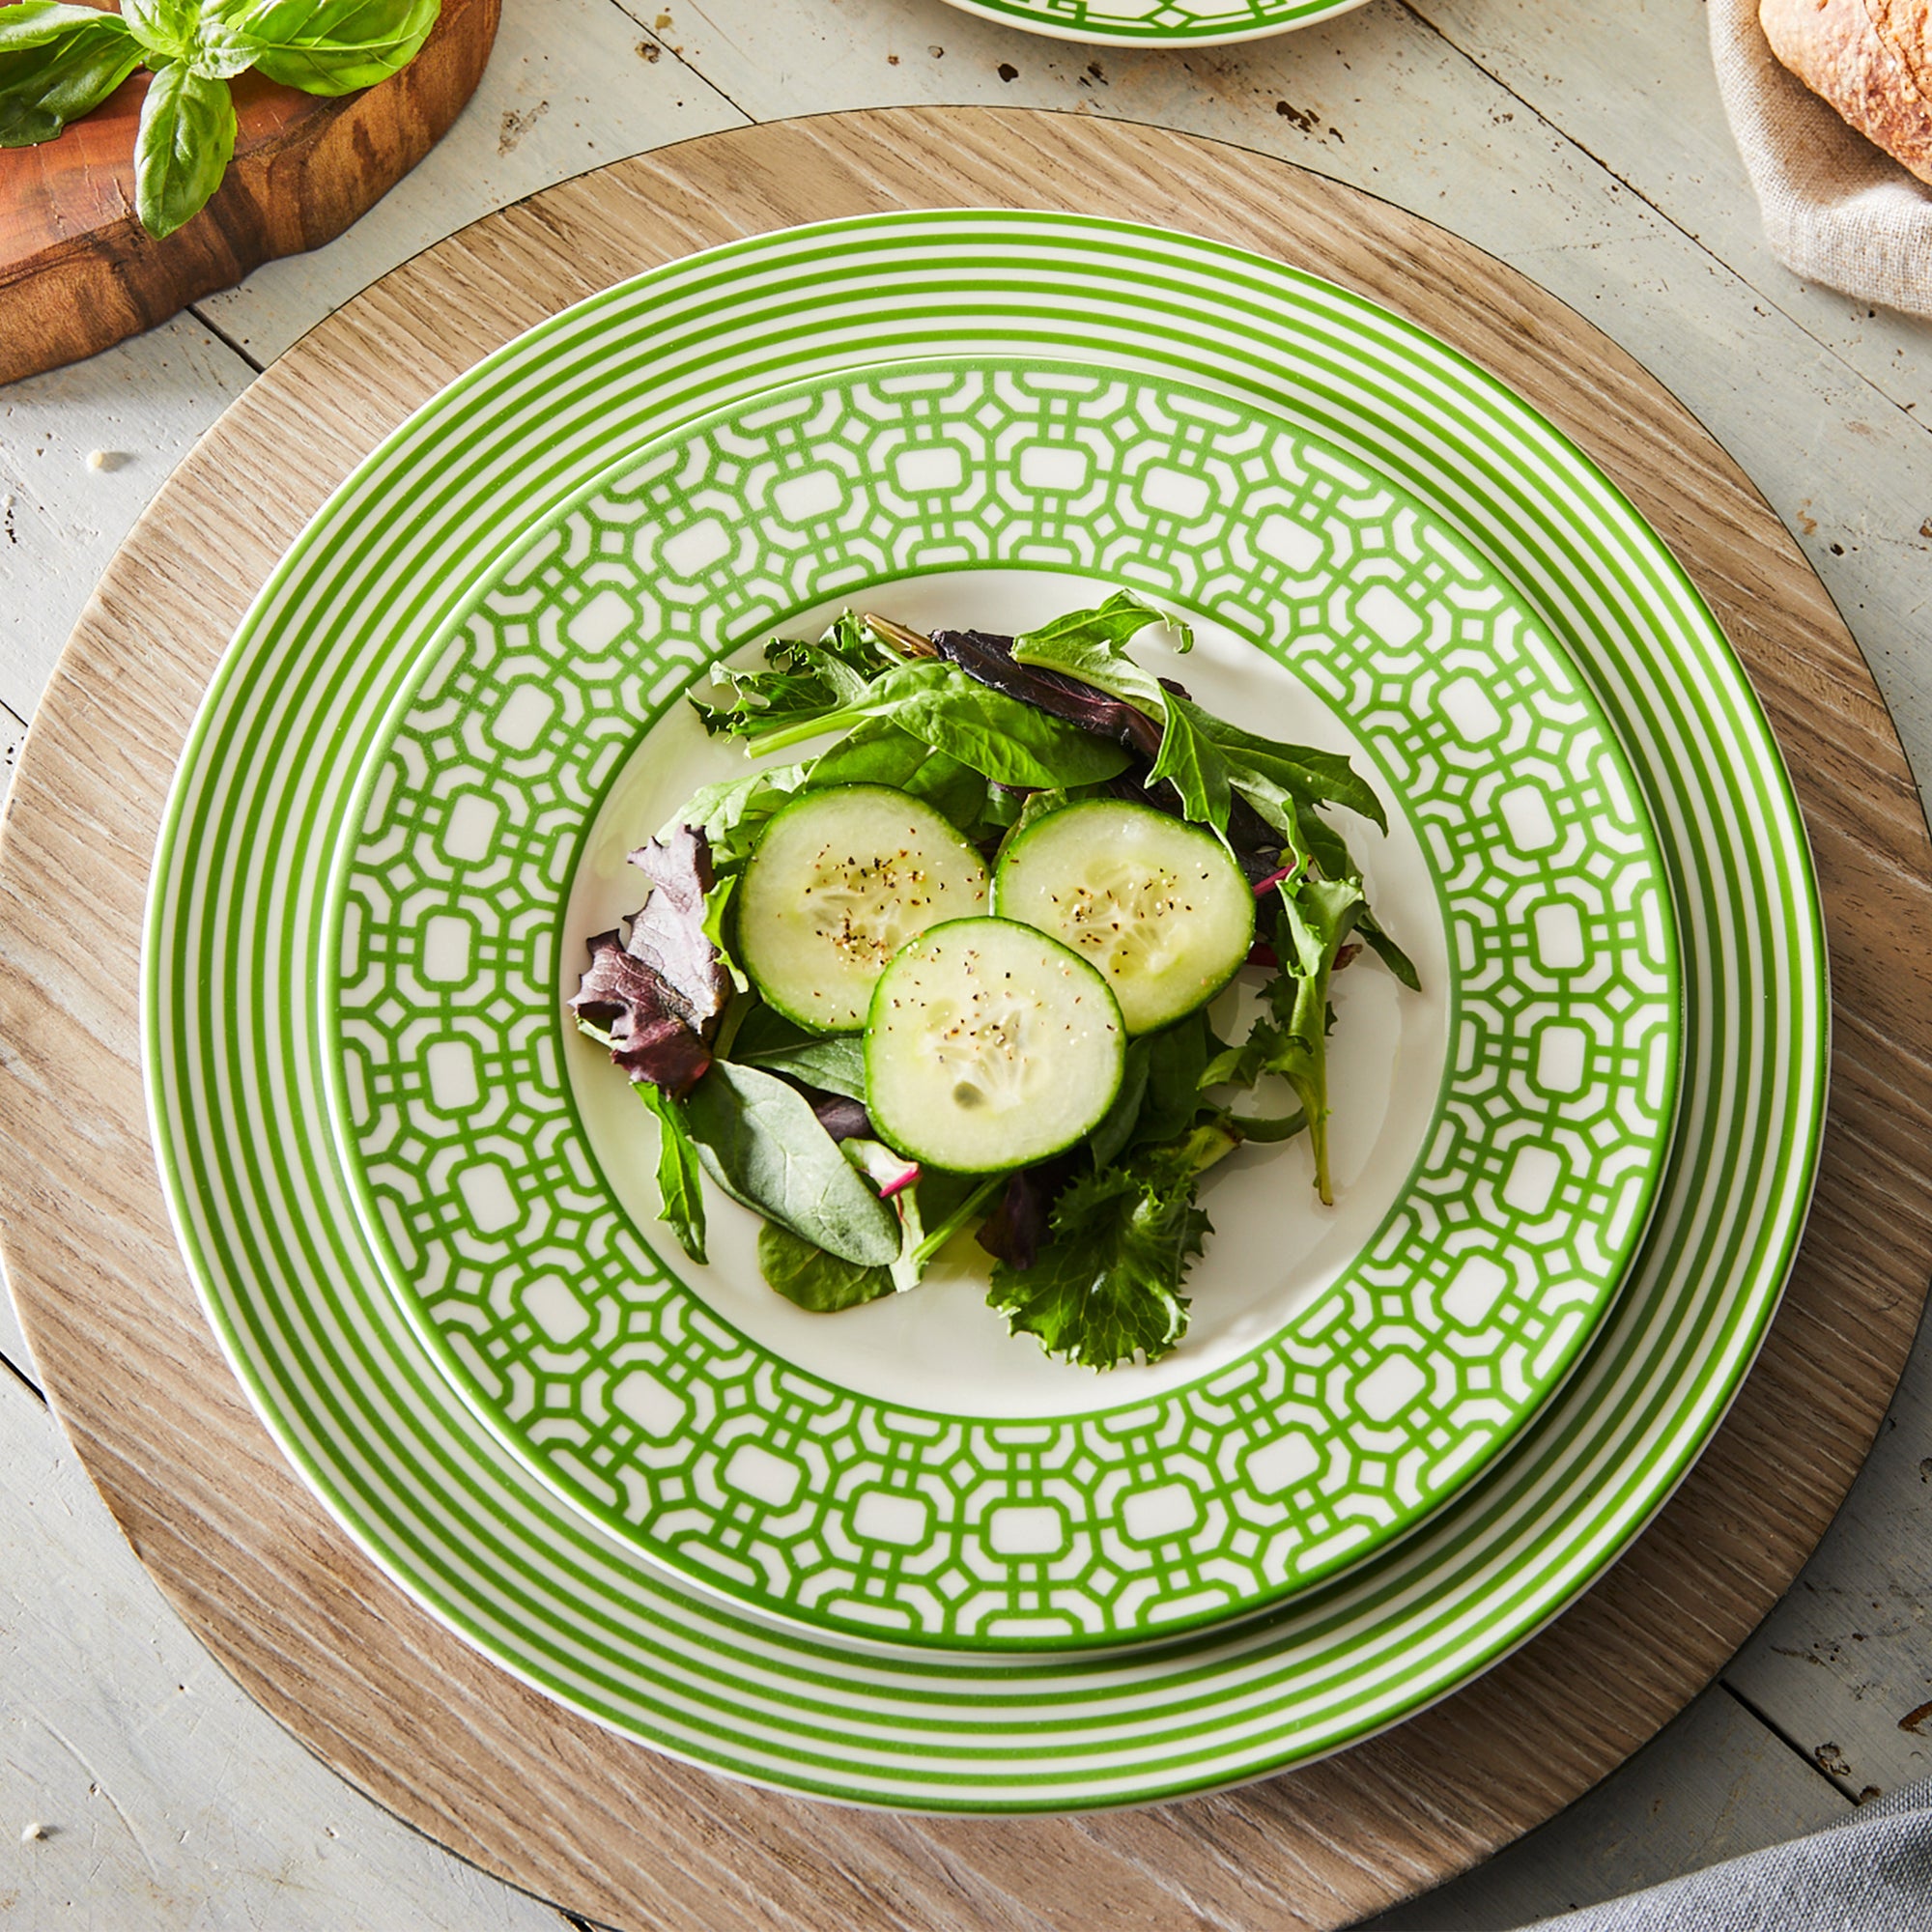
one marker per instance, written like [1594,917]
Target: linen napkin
[1870,1872]
[1837,209]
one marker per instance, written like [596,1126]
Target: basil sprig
[59,62]
[56,64]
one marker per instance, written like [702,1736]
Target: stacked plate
[896,1556]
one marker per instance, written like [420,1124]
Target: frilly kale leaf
[1107,1286]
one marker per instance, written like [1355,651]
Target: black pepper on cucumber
[840,881]
[990,1047]
[1156,905]
[1024,867]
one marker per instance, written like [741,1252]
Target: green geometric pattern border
[606,1370]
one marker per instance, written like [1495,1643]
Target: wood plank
[1712,1785]
[1842,1664]
[169,1800]
[572,84]
[1379,100]
[1635,86]
[13,1349]
[142,404]
[491,1768]
[80,271]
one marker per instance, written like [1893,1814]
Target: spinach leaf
[761,1141]
[322,47]
[811,1278]
[1312,776]
[878,752]
[680,1191]
[1107,1286]
[760,1030]
[1102,630]
[1178,1056]
[1008,741]
[834,1064]
[930,1213]
[185,140]
[1193,764]
[56,64]
[1160,1088]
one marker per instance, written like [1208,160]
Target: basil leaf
[56,64]
[809,1278]
[322,47]
[680,1191]
[183,150]
[40,23]
[761,1141]
[165,28]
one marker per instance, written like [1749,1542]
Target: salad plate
[1157,23]
[237,1045]
[906,1468]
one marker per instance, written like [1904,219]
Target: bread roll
[1870,59]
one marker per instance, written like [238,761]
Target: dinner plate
[236,1042]
[907,1467]
[1157,23]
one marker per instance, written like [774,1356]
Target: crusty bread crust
[1870,59]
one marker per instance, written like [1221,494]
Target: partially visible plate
[1157,23]
[237,966]
[907,1468]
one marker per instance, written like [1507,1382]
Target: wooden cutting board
[557,1804]
[78,272]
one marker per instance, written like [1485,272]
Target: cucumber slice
[1155,904]
[841,879]
[990,1046]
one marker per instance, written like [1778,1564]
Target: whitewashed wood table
[1584,146]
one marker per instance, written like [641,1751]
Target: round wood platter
[78,272]
[557,1804]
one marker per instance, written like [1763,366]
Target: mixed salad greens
[953,972]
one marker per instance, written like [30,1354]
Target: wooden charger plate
[558,1806]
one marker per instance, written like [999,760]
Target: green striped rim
[234,1032]
[1181,23]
